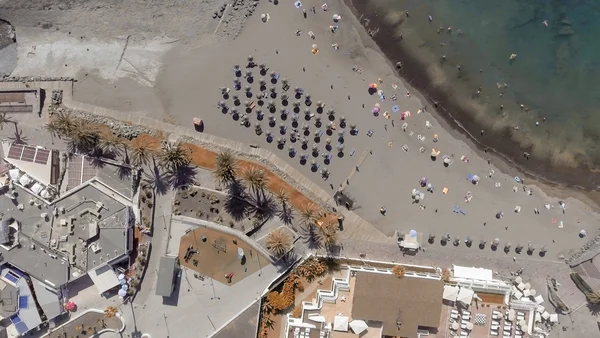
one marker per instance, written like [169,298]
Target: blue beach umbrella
[395,108]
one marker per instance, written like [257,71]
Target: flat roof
[473,273]
[89,230]
[401,304]
[166,270]
[49,300]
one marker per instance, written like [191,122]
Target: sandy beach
[191,70]
[176,75]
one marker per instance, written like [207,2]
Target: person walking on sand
[304,13]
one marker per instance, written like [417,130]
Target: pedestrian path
[355,227]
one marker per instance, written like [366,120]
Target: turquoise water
[555,76]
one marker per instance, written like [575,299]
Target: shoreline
[580,181]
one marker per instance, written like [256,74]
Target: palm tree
[308,214]
[83,137]
[328,234]
[110,311]
[173,156]
[286,211]
[110,145]
[399,271]
[53,129]
[65,123]
[5,120]
[225,168]
[140,154]
[255,179]
[446,275]
[593,297]
[279,242]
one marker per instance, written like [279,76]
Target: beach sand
[193,67]
[188,86]
[185,81]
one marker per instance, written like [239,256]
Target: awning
[104,278]
[465,296]
[358,326]
[450,293]
[340,323]
[472,273]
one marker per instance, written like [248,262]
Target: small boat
[512,56]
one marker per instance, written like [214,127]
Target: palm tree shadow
[594,308]
[95,158]
[184,177]
[311,237]
[236,204]
[286,214]
[262,206]
[157,180]
[18,136]
[123,171]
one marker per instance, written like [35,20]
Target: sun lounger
[520,314]
[463,334]
[495,322]
[370,132]
[454,316]
[466,317]
[352,152]
[422,149]
[454,311]
[405,148]
[467,313]
[463,326]
[494,333]
[494,327]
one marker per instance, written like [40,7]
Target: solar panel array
[29,154]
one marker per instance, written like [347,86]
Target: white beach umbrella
[122,293]
[533,292]
[527,286]
[469,326]
[518,280]
[524,328]
[358,326]
[455,326]
[522,322]
[121,276]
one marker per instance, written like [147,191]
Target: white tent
[340,323]
[450,293]
[14,174]
[465,296]
[358,326]
[553,317]
[518,280]
[25,180]
[472,273]
[545,315]
[37,188]
[539,299]
[318,319]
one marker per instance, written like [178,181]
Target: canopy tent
[317,319]
[340,323]
[554,318]
[14,174]
[472,273]
[104,278]
[465,296]
[518,280]
[358,326]
[37,188]
[450,293]
[25,180]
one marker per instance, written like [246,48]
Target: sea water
[548,94]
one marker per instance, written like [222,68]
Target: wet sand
[499,143]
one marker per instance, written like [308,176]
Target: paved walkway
[355,227]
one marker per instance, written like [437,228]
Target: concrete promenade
[355,227]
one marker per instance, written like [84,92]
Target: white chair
[495,322]
[496,316]
[467,313]
[453,316]
[493,333]
[463,334]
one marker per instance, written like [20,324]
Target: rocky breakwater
[119,128]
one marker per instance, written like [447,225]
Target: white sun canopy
[358,326]
[465,296]
[473,273]
[450,293]
[340,323]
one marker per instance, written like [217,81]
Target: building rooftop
[402,304]
[58,241]
[166,269]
